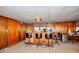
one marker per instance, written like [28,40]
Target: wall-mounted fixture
[38,19]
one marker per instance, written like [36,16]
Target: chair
[29,36]
[56,39]
[38,36]
[60,36]
[48,36]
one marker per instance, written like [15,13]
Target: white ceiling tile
[47,13]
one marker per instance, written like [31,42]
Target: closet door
[3,38]
[12,32]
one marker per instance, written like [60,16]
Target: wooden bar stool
[48,36]
[38,36]
[29,36]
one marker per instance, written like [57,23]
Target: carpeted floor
[62,48]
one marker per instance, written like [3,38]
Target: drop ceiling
[47,13]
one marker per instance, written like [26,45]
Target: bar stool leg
[48,43]
[29,43]
[52,44]
[39,43]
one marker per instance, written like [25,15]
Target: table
[74,38]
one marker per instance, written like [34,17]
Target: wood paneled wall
[62,27]
[3,39]
[72,26]
[11,31]
[30,26]
[21,30]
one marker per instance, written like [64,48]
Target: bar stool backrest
[29,35]
[48,36]
[38,35]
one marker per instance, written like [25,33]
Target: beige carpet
[62,48]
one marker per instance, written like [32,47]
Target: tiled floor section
[62,48]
